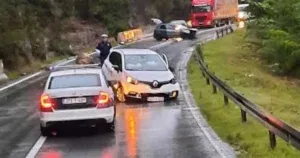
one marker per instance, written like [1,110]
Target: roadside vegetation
[274,34]
[36,32]
[233,61]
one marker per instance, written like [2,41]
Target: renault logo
[155,84]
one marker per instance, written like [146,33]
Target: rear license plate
[155,99]
[74,100]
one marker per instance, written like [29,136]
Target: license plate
[74,100]
[155,99]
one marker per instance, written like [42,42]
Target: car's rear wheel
[110,126]
[120,94]
[157,37]
[45,131]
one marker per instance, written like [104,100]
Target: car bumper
[142,91]
[105,114]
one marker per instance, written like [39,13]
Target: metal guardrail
[275,126]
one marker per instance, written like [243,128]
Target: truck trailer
[213,13]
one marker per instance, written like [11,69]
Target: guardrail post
[244,115]
[207,81]
[222,32]
[203,73]
[225,100]
[272,138]
[217,32]
[214,88]
[231,29]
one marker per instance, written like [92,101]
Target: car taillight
[103,100]
[46,103]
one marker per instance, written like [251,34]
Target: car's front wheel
[120,94]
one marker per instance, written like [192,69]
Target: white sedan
[140,74]
[77,95]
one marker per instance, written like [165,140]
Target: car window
[179,22]
[144,62]
[116,59]
[112,58]
[163,27]
[201,9]
[75,81]
[170,27]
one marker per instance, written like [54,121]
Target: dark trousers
[102,59]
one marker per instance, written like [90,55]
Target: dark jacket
[104,48]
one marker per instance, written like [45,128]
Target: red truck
[213,13]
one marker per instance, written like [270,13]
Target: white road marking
[191,105]
[35,149]
[31,76]
[22,80]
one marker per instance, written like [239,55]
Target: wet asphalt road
[142,129]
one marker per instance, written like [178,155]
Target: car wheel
[45,131]
[111,126]
[184,36]
[158,38]
[120,94]
[192,35]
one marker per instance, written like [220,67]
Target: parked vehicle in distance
[76,94]
[213,13]
[140,74]
[243,14]
[174,29]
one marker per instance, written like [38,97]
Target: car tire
[192,35]
[157,37]
[120,94]
[184,36]
[110,126]
[45,131]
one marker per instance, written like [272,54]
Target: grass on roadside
[34,67]
[241,69]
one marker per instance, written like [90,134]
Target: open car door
[156,21]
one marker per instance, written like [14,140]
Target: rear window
[73,81]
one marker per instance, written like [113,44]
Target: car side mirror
[116,67]
[171,69]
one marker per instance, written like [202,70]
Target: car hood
[151,75]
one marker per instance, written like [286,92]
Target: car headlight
[173,81]
[189,23]
[177,27]
[131,80]
[241,15]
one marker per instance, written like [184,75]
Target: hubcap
[120,95]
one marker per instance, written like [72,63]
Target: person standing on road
[104,47]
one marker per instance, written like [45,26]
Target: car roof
[76,71]
[137,51]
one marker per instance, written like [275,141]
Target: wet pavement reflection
[142,130]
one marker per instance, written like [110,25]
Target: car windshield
[179,22]
[74,81]
[201,9]
[144,62]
